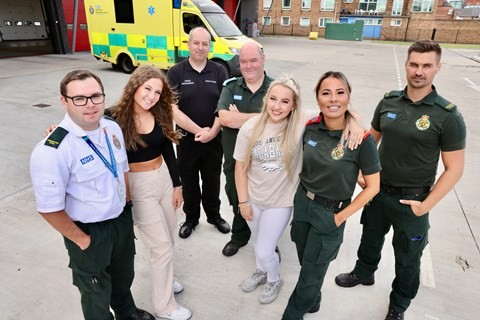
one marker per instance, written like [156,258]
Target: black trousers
[200,160]
[104,271]
[240,231]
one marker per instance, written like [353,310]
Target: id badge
[121,190]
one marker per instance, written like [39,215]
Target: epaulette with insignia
[56,137]
[108,114]
[229,80]
[315,119]
[366,133]
[393,93]
[445,104]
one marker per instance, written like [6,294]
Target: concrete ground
[36,283]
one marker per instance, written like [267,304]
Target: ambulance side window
[124,11]
[191,21]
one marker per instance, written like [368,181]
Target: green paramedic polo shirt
[235,91]
[413,134]
[329,170]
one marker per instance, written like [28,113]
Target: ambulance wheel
[115,66]
[125,64]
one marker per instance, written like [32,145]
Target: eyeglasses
[81,101]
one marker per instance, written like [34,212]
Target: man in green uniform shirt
[415,127]
[241,99]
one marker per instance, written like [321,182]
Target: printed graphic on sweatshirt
[268,152]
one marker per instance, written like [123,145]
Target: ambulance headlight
[234,50]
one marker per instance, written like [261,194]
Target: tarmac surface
[36,282]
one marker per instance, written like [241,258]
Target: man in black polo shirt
[198,81]
[415,127]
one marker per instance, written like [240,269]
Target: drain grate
[41,105]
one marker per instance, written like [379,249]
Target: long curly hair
[123,110]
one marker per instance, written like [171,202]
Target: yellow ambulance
[128,33]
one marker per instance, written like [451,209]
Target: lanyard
[111,166]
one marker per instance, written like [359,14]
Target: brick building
[400,20]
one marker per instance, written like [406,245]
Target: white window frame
[324,5]
[422,5]
[397,7]
[307,19]
[267,4]
[322,22]
[347,1]
[396,22]
[284,7]
[305,5]
[266,20]
[281,21]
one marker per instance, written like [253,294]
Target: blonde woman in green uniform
[320,206]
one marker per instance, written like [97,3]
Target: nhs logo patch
[391,115]
[86,160]
[312,143]
[237,97]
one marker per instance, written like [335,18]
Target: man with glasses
[78,175]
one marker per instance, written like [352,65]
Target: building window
[372,6]
[347,1]
[285,21]
[267,4]
[286,4]
[327,5]
[396,22]
[373,22]
[306,4]
[266,21]
[456,4]
[322,22]
[304,22]
[422,5]
[397,7]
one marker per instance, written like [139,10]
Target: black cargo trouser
[410,237]
[104,271]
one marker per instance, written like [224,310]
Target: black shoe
[393,315]
[139,314]
[221,225]
[186,229]
[348,280]
[314,309]
[277,251]
[231,249]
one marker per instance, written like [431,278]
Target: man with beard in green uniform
[415,126]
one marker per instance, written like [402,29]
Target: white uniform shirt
[74,178]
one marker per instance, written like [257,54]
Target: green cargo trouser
[410,236]
[318,241]
[104,271]
[240,231]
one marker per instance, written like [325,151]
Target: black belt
[329,204]
[394,191]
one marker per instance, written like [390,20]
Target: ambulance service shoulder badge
[423,123]
[116,142]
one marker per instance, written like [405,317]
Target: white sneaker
[179,313]
[270,291]
[177,287]
[257,278]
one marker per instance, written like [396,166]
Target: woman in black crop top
[145,115]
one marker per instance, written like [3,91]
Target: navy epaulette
[56,137]
[393,93]
[229,80]
[445,104]
[315,119]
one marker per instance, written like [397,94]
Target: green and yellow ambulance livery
[128,33]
